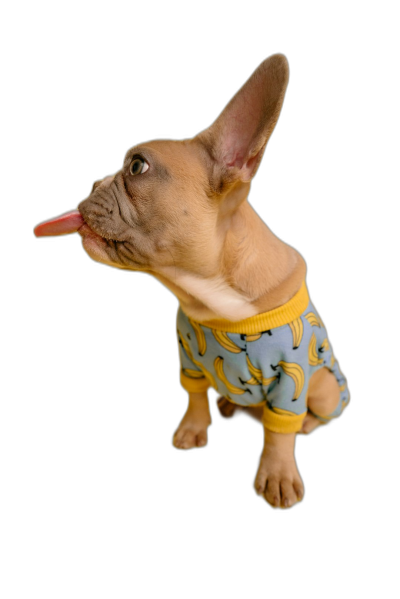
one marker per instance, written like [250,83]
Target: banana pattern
[257,376]
[296,373]
[313,358]
[205,372]
[254,337]
[255,372]
[200,336]
[324,345]
[226,342]
[193,374]
[270,367]
[297,329]
[313,319]
[219,368]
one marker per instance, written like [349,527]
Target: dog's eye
[138,166]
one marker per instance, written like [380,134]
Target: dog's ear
[236,140]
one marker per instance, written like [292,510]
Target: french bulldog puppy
[246,326]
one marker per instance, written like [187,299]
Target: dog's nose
[96,184]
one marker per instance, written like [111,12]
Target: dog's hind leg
[228,409]
[324,400]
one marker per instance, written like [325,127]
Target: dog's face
[170,209]
[158,211]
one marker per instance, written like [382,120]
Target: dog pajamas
[266,359]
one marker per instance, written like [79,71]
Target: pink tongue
[69,222]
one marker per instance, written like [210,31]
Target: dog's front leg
[192,430]
[278,478]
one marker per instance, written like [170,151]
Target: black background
[96,453]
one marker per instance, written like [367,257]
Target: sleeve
[283,359]
[192,378]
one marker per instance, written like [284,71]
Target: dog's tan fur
[187,221]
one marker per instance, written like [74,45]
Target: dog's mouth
[100,249]
[73,222]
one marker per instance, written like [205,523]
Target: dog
[179,211]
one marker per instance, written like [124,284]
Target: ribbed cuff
[266,321]
[281,421]
[194,385]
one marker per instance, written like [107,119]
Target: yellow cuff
[191,385]
[282,421]
[277,317]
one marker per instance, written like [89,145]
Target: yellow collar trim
[266,321]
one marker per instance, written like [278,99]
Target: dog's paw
[279,482]
[186,438]
[226,407]
[192,431]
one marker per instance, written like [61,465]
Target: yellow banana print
[226,342]
[219,368]
[257,377]
[201,338]
[313,358]
[332,361]
[281,411]
[313,319]
[256,372]
[251,381]
[187,349]
[325,345]
[185,344]
[267,382]
[254,337]
[297,329]
[295,372]
[193,374]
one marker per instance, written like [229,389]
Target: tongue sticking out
[69,222]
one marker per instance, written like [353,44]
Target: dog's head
[169,209]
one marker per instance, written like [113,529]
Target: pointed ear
[236,140]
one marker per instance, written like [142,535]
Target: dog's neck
[255,272]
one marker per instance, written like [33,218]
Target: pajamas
[267,359]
